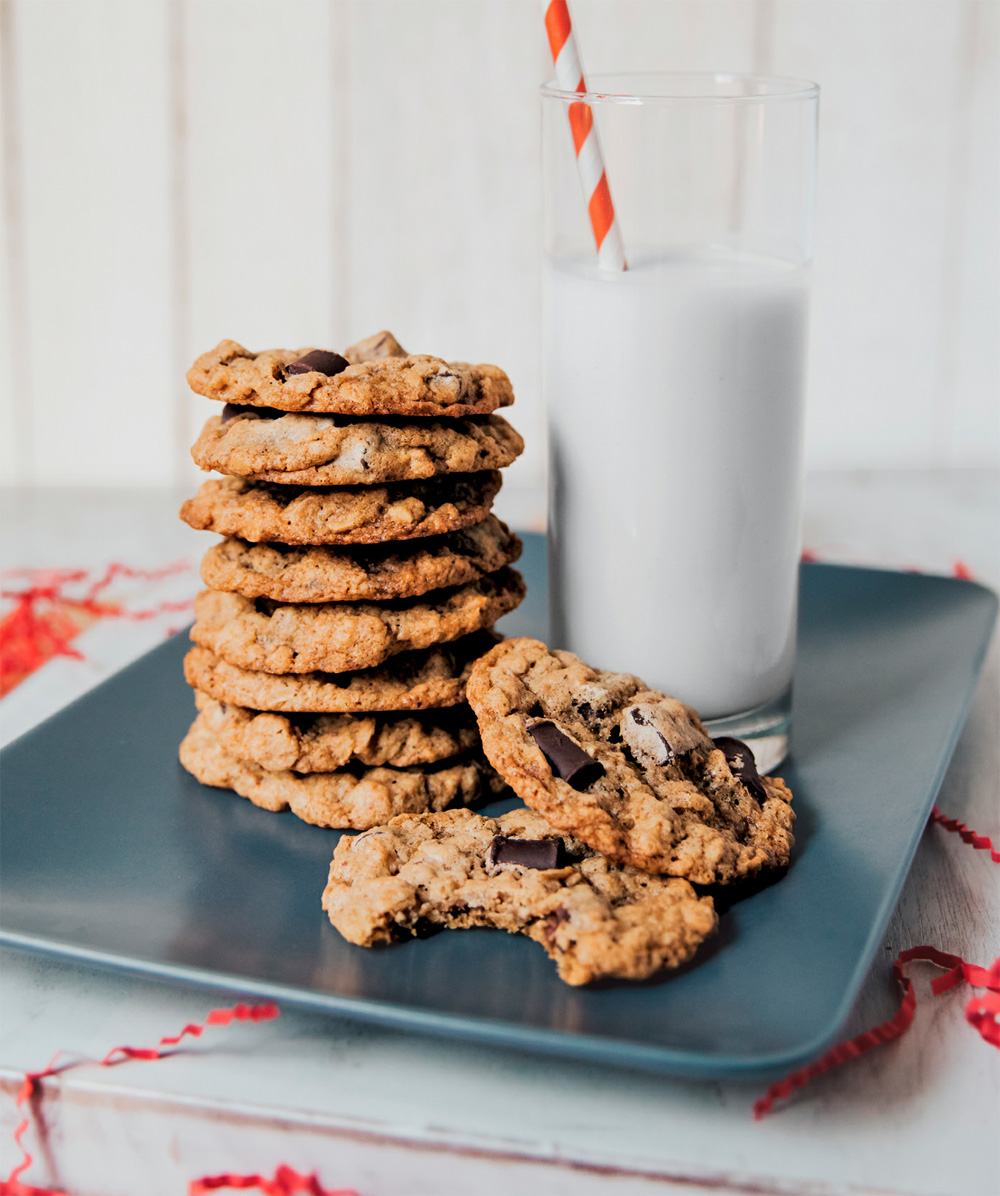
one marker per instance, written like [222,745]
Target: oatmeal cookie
[340,450]
[374,377]
[339,637]
[322,573]
[422,680]
[627,769]
[458,869]
[327,742]
[351,798]
[341,515]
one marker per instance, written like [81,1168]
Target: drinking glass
[675,388]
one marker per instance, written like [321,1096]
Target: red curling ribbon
[119,1054]
[979,842]
[284,1182]
[45,619]
[983,1014]
[117,569]
[160,609]
[962,571]
[41,626]
[16,1188]
[980,1012]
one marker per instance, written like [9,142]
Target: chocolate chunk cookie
[350,515]
[374,377]
[626,769]
[459,869]
[327,742]
[352,798]
[338,637]
[326,574]
[411,681]
[339,450]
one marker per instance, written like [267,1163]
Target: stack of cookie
[360,577]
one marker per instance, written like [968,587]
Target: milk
[674,396]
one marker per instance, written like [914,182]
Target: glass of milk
[675,390]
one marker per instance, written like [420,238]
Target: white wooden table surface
[393,1114]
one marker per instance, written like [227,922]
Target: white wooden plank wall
[90,319]
[291,172]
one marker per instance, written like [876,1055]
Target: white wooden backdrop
[291,172]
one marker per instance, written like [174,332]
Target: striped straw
[589,159]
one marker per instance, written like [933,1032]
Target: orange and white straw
[589,159]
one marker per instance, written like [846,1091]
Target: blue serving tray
[111,853]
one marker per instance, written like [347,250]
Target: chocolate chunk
[529,853]
[742,764]
[567,759]
[552,922]
[319,361]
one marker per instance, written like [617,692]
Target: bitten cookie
[626,769]
[411,681]
[339,637]
[322,573]
[327,742]
[374,377]
[338,450]
[349,515]
[458,869]
[352,798]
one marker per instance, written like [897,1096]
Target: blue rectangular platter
[111,853]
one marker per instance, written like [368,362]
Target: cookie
[374,377]
[339,450]
[326,742]
[411,681]
[352,515]
[458,869]
[339,637]
[626,769]
[351,798]
[327,574]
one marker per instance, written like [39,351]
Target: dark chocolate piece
[567,759]
[529,853]
[742,764]
[320,361]
[553,921]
